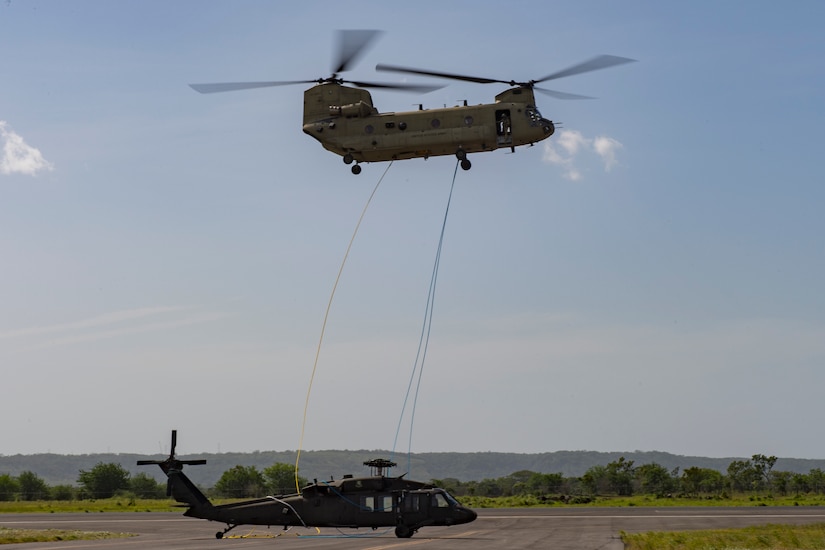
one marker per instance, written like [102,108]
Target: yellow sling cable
[324,325]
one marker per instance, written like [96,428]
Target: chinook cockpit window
[533,115]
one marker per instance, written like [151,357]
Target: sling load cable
[324,324]
[424,340]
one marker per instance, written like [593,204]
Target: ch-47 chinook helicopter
[344,120]
[376,501]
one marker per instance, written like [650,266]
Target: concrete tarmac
[556,528]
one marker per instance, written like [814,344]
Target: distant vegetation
[755,478]
[807,537]
[13,536]
[57,469]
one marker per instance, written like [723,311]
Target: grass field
[13,536]
[779,537]
[645,500]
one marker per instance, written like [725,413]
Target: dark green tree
[517,483]
[816,480]
[741,475]
[32,487]
[280,479]
[697,480]
[8,487]
[545,484]
[800,483]
[595,480]
[713,482]
[489,488]
[104,480]
[241,482]
[620,475]
[145,486]
[763,466]
[63,492]
[781,482]
[451,485]
[654,479]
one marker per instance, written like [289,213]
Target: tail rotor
[172,464]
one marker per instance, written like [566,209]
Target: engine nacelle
[353,110]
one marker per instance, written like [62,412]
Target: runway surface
[559,528]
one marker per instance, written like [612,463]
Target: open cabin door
[504,128]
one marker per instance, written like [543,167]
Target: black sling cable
[424,340]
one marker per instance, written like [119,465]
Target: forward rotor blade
[561,95]
[233,86]
[595,64]
[351,46]
[408,70]
[418,88]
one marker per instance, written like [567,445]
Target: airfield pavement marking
[398,544]
[421,541]
[645,516]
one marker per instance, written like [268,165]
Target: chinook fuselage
[345,121]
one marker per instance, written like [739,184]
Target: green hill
[64,469]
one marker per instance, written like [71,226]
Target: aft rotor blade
[561,95]
[352,45]
[595,64]
[233,86]
[408,70]
[418,88]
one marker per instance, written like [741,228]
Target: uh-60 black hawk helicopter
[344,120]
[375,501]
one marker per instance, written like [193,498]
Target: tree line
[106,480]
[623,478]
[620,477]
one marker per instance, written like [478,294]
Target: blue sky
[649,278]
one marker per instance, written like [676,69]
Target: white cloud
[93,322]
[17,156]
[606,147]
[569,147]
[109,325]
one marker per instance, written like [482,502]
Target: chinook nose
[548,127]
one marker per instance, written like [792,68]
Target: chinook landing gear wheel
[466,164]
[461,154]
[348,159]
[403,532]
[356,169]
